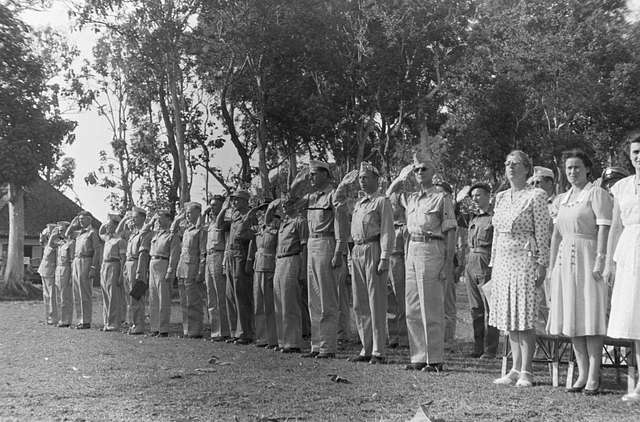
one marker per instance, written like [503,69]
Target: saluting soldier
[164,253]
[431,223]
[327,243]
[215,278]
[85,263]
[241,286]
[190,271]
[373,237]
[113,256]
[290,270]
[262,255]
[47,271]
[396,285]
[64,259]
[136,266]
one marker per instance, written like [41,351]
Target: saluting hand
[350,177]
[405,172]
[383,266]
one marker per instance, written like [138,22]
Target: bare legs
[588,350]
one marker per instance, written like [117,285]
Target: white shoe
[631,397]
[508,379]
[525,380]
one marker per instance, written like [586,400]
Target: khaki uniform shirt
[166,244]
[193,253]
[66,249]
[113,248]
[263,250]
[429,213]
[47,266]
[215,238]
[373,217]
[240,234]
[326,216]
[292,236]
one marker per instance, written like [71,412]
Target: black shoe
[290,350]
[359,358]
[135,333]
[378,360]
[575,389]
[193,336]
[310,355]
[415,366]
[242,341]
[163,334]
[488,356]
[394,345]
[154,334]
[62,325]
[84,326]
[433,367]
[220,338]
[594,392]
[231,340]
[261,345]
[325,355]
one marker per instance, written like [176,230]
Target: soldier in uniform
[47,271]
[220,311]
[136,266]
[478,272]
[113,256]
[395,285]
[85,264]
[373,237]
[290,270]
[240,235]
[190,271]
[325,249]
[431,223]
[262,256]
[64,260]
[164,253]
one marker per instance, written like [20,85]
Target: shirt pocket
[432,219]
[485,235]
[371,222]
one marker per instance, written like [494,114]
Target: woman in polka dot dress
[520,255]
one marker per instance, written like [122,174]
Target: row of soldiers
[251,272]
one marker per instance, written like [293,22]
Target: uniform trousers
[82,289]
[50,299]
[190,290]
[396,300]
[477,273]
[286,297]
[159,295]
[369,298]
[110,277]
[323,294]
[450,313]
[65,289]
[263,307]
[217,306]
[243,294]
[344,301]
[135,306]
[425,301]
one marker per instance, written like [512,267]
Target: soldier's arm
[174,255]
[142,269]
[96,244]
[340,227]
[202,244]
[387,231]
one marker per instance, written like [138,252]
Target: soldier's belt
[480,250]
[213,250]
[132,258]
[166,258]
[325,235]
[371,239]
[424,238]
[84,255]
[111,260]
[288,254]
[399,253]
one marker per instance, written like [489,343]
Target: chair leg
[631,379]
[570,369]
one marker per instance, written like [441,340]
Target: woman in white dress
[623,258]
[519,257]
[578,250]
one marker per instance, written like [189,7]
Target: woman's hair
[578,153]
[632,137]
[524,158]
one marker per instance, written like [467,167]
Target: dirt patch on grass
[64,374]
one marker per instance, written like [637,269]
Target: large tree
[31,131]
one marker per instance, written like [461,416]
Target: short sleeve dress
[520,242]
[578,301]
[624,319]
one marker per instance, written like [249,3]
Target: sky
[93,133]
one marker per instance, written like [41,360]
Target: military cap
[316,164]
[241,193]
[480,185]
[165,212]
[63,224]
[368,167]
[190,205]
[85,213]
[217,197]
[114,217]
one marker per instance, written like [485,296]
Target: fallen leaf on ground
[337,378]
[205,370]
[74,368]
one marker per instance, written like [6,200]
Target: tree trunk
[293,167]
[179,130]
[14,283]
[171,142]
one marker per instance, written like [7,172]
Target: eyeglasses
[419,169]
[510,163]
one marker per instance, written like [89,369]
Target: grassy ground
[52,373]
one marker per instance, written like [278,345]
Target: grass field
[52,373]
